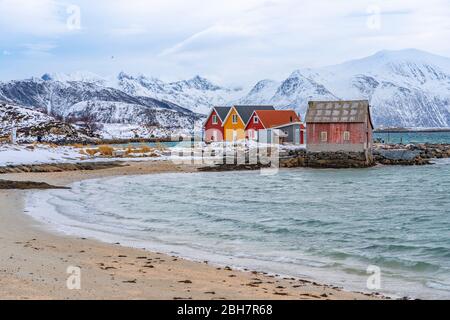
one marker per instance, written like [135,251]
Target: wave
[311,233]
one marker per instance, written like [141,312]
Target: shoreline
[34,260]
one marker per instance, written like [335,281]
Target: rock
[25,185]
[60,167]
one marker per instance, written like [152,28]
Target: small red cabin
[339,126]
[286,122]
[213,129]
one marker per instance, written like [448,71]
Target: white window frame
[215,119]
[346,135]
[255,119]
[234,119]
[323,136]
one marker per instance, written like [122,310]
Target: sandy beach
[34,261]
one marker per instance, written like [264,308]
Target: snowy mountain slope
[127,113]
[30,124]
[197,94]
[297,90]
[262,92]
[408,88]
[89,98]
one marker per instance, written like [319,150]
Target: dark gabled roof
[245,112]
[338,111]
[222,112]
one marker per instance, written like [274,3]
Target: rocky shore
[385,154]
[410,154]
[26,185]
[61,167]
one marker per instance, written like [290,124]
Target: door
[297,136]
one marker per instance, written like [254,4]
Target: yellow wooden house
[236,121]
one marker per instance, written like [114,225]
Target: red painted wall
[253,126]
[210,128]
[336,133]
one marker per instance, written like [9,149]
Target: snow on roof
[338,111]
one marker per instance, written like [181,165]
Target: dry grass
[5,140]
[128,151]
[77,146]
[106,150]
[91,152]
[146,149]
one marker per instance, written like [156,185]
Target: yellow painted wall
[229,127]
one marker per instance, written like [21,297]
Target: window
[235,118]
[346,135]
[214,119]
[255,119]
[323,136]
[252,134]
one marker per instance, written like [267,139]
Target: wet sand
[34,261]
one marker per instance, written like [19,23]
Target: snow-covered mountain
[406,88]
[77,97]
[197,94]
[30,124]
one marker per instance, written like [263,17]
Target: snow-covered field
[30,154]
[11,155]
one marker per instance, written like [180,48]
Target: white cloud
[38,49]
[35,17]
[233,40]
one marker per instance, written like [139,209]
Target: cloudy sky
[232,42]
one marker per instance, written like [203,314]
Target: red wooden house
[213,126]
[263,124]
[339,126]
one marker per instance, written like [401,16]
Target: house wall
[253,126]
[229,127]
[211,128]
[290,130]
[360,135]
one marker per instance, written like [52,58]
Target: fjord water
[413,137]
[326,225]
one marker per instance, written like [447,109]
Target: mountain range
[406,88]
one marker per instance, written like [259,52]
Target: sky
[233,42]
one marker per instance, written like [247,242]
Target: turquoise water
[396,137]
[326,225]
[413,137]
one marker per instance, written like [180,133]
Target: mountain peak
[202,83]
[122,76]
[81,76]
[296,74]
